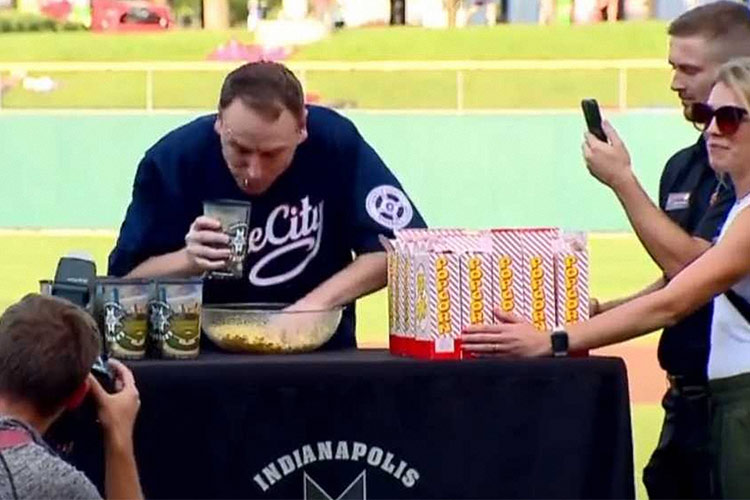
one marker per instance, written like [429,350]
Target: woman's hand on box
[512,337]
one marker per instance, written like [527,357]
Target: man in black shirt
[693,204]
[321,197]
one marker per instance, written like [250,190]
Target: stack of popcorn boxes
[440,280]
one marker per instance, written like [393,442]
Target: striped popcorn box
[476,288]
[413,244]
[399,336]
[408,291]
[539,275]
[412,234]
[451,240]
[507,272]
[395,344]
[439,336]
[446,291]
[395,290]
[476,278]
[572,275]
[423,305]
[405,332]
[391,266]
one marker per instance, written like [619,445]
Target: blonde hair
[735,74]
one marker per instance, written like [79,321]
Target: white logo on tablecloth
[288,228]
[357,490]
[332,452]
[389,207]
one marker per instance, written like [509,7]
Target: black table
[364,424]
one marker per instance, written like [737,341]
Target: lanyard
[8,439]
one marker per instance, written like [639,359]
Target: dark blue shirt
[690,194]
[331,204]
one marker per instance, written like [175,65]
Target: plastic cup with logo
[234,217]
[123,315]
[174,316]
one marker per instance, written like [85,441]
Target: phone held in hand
[593,118]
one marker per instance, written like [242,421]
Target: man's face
[257,151]
[694,69]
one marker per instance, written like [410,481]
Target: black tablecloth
[365,424]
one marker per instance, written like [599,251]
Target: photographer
[47,348]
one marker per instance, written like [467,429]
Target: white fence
[622,66]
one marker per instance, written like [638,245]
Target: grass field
[371,90]
[367,90]
[624,40]
[84,46]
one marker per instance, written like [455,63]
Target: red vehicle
[59,10]
[125,15]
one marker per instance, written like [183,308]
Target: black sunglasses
[728,118]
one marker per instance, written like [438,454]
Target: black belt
[686,382]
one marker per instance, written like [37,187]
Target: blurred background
[473,93]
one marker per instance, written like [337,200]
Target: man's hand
[117,412]
[512,338]
[308,303]
[206,245]
[298,318]
[609,162]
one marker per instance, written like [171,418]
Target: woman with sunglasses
[724,268]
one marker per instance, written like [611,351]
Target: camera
[74,281]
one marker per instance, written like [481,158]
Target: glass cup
[174,316]
[235,223]
[123,315]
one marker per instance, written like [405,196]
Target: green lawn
[600,41]
[188,45]
[371,90]
[367,89]
[603,41]
[646,419]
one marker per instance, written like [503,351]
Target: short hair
[264,87]
[724,24]
[47,348]
[735,74]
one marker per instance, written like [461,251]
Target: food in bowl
[268,328]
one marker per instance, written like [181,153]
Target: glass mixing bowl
[268,328]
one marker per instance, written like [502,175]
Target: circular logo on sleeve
[388,206]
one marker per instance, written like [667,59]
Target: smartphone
[593,118]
